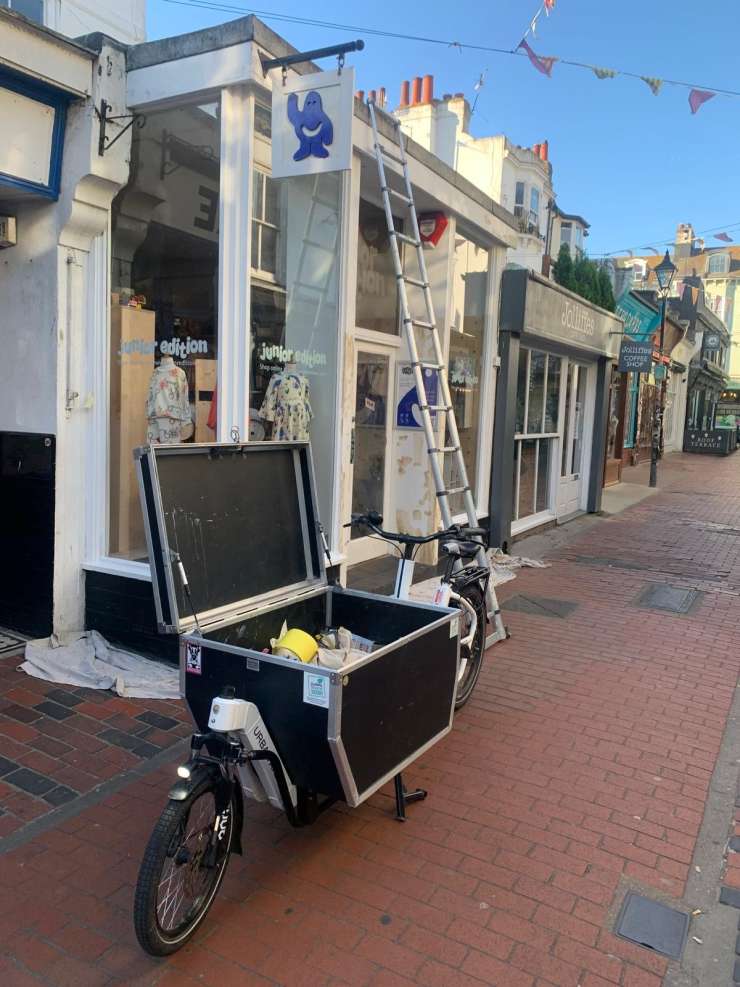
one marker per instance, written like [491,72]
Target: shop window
[538,408]
[465,366]
[294,292]
[377,294]
[164,290]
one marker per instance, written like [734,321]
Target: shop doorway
[572,465]
[371,444]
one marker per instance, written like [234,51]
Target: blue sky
[633,164]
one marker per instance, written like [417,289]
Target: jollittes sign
[312,123]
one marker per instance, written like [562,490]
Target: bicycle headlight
[183,771]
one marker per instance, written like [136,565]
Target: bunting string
[698,94]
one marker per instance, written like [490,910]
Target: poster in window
[312,123]
[408,406]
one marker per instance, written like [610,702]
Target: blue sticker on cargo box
[316,689]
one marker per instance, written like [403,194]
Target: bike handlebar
[373,520]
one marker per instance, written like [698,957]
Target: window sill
[533,521]
[120,567]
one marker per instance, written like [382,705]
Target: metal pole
[659,405]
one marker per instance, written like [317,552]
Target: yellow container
[296,643]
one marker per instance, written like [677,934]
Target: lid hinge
[175,557]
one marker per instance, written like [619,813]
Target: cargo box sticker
[316,689]
[192,658]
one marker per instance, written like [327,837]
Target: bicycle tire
[473,595]
[172,823]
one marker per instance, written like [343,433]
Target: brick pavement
[579,769]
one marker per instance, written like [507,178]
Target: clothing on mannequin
[168,412]
[287,405]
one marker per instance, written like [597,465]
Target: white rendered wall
[124,20]
[28,316]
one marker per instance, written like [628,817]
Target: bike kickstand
[404,798]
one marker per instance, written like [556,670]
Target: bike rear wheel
[183,866]
[471,657]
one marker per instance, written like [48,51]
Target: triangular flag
[655,84]
[541,63]
[725,237]
[603,73]
[697,98]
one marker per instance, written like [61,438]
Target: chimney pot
[536,150]
[405,93]
[371,96]
[459,95]
[447,96]
[427,89]
[416,91]
[381,97]
[360,94]
[544,149]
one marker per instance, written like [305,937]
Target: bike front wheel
[183,866]
[471,655]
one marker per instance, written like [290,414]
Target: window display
[164,317]
[294,293]
[377,294]
[465,365]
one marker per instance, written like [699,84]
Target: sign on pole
[635,357]
[312,123]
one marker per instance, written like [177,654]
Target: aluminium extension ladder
[436,451]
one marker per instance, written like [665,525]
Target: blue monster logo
[312,126]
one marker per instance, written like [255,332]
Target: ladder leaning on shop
[443,406]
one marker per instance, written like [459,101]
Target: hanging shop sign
[635,357]
[431,227]
[640,320]
[408,410]
[312,123]
[712,342]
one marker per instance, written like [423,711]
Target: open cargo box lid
[242,520]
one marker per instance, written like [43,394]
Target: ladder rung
[414,281]
[399,195]
[436,407]
[420,323]
[406,239]
[451,491]
[445,449]
[390,154]
[426,365]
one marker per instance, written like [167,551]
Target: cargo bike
[235,546]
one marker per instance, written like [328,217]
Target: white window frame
[724,258]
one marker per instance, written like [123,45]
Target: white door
[371,444]
[570,487]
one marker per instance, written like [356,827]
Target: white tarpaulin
[86,659]
[502,571]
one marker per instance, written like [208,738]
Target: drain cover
[653,925]
[541,606]
[670,598]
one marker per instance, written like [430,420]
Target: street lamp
[664,272]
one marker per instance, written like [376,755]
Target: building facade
[520,178]
[209,277]
[552,405]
